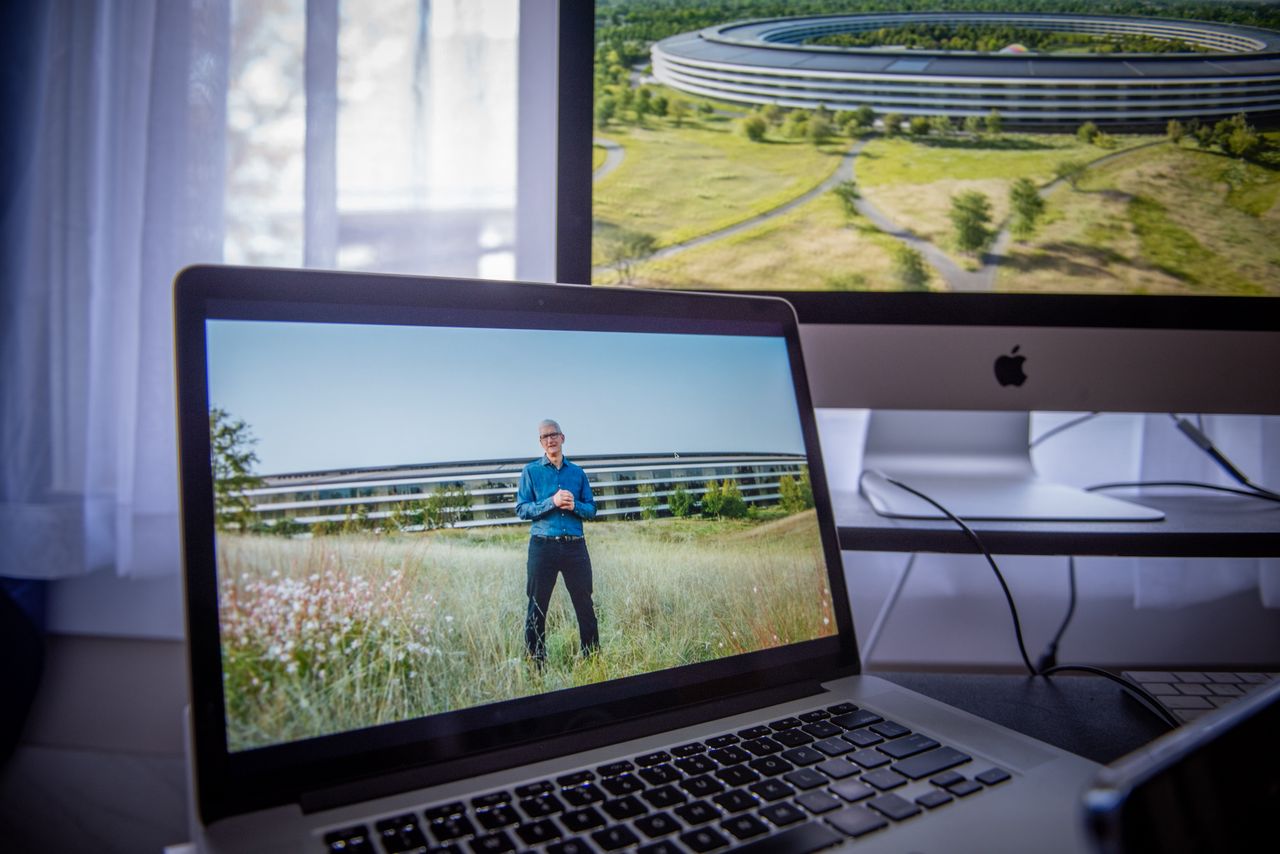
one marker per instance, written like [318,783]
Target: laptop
[490,566]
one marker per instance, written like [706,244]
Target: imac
[1137,284]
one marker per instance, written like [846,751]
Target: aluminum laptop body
[354,455]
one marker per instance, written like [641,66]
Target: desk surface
[1086,715]
[1194,526]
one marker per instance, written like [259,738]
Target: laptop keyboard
[800,783]
[1188,694]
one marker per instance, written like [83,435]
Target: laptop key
[838,769]
[884,779]
[613,838]
[703,839]
[842,708]
[909,746]
[772,790]
[926,764]
[852,791]
[754,732]
[894,807]
[693,748]
[804,839]
[853,720]
[732,755]
[498,816]
[946,778]
[400,834]
[581,796]
[492,799]
[735,801]
[580,821]
[538,832]
[542,806]
[889,729]
[857,821]
[452,828]
[443,811]
[656,758]
[621,809]
[780,815]
[657,775]
[793,738]
[771,766]
[817,802]
[738,775]
[658,824]
[934,799]
[815,716]
[722,741]
[494,843]
[862,738]
[662,846]
[532,790]
[612,769]
[696,764]
[744,826]
[833,746]
[803,756]
[623,784]
[350,840]
[577,778]
[702,786]
[806,778]
[822,729]
[664,796]
[868,758]
[784,724]
[569,846]
[992,776]
[698,812]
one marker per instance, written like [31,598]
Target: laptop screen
[393,540]
[435,523]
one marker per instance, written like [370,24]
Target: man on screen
[555,496]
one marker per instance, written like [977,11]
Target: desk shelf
[1194,526]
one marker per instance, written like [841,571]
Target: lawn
[341,632]
[679,183]
[1171,219]
[812,247]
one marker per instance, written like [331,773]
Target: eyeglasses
[545,436]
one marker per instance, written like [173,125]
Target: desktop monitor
[976,214]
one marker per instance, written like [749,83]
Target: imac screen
[1020,146]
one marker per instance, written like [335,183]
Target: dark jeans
[547,559]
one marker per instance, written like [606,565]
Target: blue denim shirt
[538,482]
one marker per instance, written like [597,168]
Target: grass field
[342,632]
[679,183]
[1168,219]
[814,247]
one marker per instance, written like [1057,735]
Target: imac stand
[977,465]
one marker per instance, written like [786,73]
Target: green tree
[624,249]
[288,528]
[819,129]
[732,504]
[1070,171]
[231,452]
[909,268]
[806,489]
[920,126]
[796,124]
[773,113]
[447,505]
[1087,132]
[648,501]
[705,109]
[865,117]
[680,501]
[1027,205]
[606,109]
[973,125]
[754,127]
[942,125]
[847,193]
[679,111]
[994,122]
[893,124]
[789,494]
[712,499]
[1175,131]
[661,106]
[971,216]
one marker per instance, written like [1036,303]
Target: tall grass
[343,632]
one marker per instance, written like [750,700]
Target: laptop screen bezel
[235,782]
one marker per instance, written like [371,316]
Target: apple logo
[1009,368]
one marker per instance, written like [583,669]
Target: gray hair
[547,422]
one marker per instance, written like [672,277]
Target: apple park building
[1234,70]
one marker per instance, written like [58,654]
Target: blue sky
[321,396]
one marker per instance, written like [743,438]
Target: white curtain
[120,155]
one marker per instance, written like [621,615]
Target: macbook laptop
[478,566]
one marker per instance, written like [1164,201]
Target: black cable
[1186,484]
[1137,691]
[1049,658]
[973,537]
[1202,441]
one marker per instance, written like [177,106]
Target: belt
[563,538]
